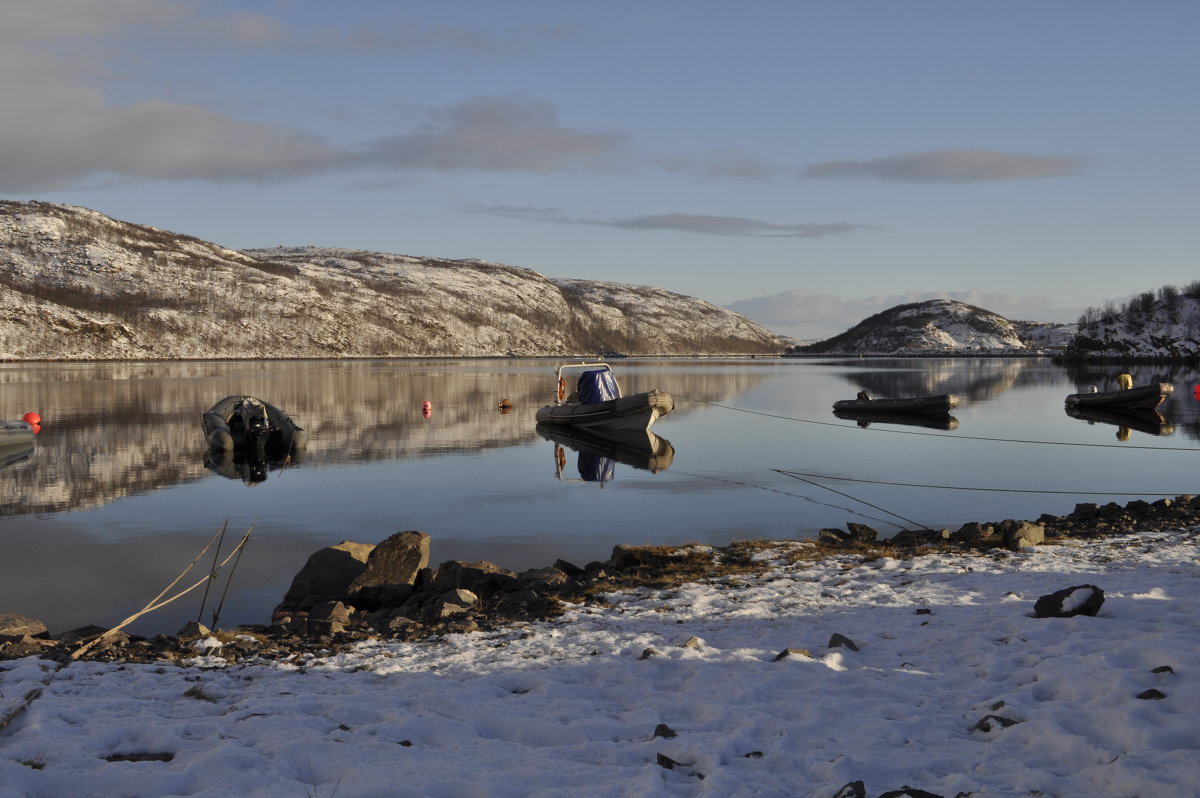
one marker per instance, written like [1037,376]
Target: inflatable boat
[1143,397]
[244,421]
[597,402]
[13,433]
[865,403]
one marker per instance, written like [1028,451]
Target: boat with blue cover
[595,400]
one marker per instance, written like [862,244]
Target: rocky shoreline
[355,592]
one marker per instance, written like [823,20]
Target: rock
[392,564]
[1069,602]
[1018,534]
[454,602]
[16,626]
[481,578]
[909,792]
[326,575]
[192,630]
[792,652]
[989,722]
[841,640]
[664,731]
[855,789]
[919,537]
[861,533]
[834,536]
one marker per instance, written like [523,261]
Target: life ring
[560,458]
[562,389]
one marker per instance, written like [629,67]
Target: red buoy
[428,405]
[32,418]
[1198,391]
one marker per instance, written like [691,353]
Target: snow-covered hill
[78,285]
[941,326]
[1152,326]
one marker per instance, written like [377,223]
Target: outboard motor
[255,423]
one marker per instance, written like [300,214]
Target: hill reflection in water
[117,495]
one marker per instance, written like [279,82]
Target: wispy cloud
[495,135]
[703,224]
[952,166]
[728,165]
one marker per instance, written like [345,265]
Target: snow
[944,682]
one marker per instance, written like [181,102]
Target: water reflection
[599,451]
[15,453]
[248,464]
[115,430]
[972,380]
[1149,422]
[943,421]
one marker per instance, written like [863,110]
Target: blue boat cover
[597,386]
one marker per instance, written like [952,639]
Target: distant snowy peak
[931,327]
[77,285]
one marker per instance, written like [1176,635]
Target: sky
[798,161]
[931,673]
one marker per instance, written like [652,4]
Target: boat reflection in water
[600,450]
[248,465]
[1147,420]
[927,420]
[15,453]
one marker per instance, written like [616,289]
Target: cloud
[678,222]
[952,166]
[494,135]
[811,315]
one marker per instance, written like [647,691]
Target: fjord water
[117,497]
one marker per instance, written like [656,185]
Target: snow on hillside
[935,326]
[1163,328]
[78,285]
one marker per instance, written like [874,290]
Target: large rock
[391,570]
[481,578]
[326,576]
[1069,602]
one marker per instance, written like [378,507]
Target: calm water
[116,496]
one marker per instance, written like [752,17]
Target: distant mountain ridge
[78,285]
[941,326]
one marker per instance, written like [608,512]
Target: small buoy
[426,412]
[427,405]
[36,428]
[507,403]
[33,418]
[1197,392]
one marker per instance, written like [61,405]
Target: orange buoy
[36,428]
[1198,391]
[31,418]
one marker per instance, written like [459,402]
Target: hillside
[940,326]
[78,285]
[1155,325]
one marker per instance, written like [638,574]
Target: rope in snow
[937,434]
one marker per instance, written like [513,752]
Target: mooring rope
[801,475]
[745,484]
[936,434]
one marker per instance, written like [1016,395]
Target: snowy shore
[943,681]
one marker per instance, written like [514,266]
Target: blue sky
[803,162]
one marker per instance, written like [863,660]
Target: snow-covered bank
[681,692]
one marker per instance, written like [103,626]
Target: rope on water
[936,434]
[801,475]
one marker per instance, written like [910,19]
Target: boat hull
[940,403]
[1143,397]
[224,428]
[637,448]
[636,412]
[13,433]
